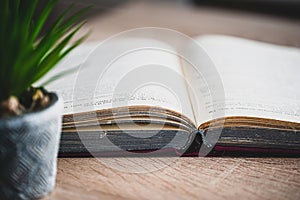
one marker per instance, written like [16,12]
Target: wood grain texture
[183,178]
[194,21]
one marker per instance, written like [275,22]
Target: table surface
[183,178]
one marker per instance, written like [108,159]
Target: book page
[114,76]
[259,79]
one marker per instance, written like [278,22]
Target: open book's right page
[259,79]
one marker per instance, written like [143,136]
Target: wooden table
[183,178]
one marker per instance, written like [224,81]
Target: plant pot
[28,152]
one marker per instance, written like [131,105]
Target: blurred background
[274,21]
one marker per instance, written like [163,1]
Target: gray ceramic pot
[28,151]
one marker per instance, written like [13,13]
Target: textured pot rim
[55,101]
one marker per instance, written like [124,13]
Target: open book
[259,108]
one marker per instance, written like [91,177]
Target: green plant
[26,55]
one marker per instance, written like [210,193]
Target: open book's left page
[137,77]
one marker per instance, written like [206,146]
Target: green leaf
[55,55]
[42,19]
[23,57]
